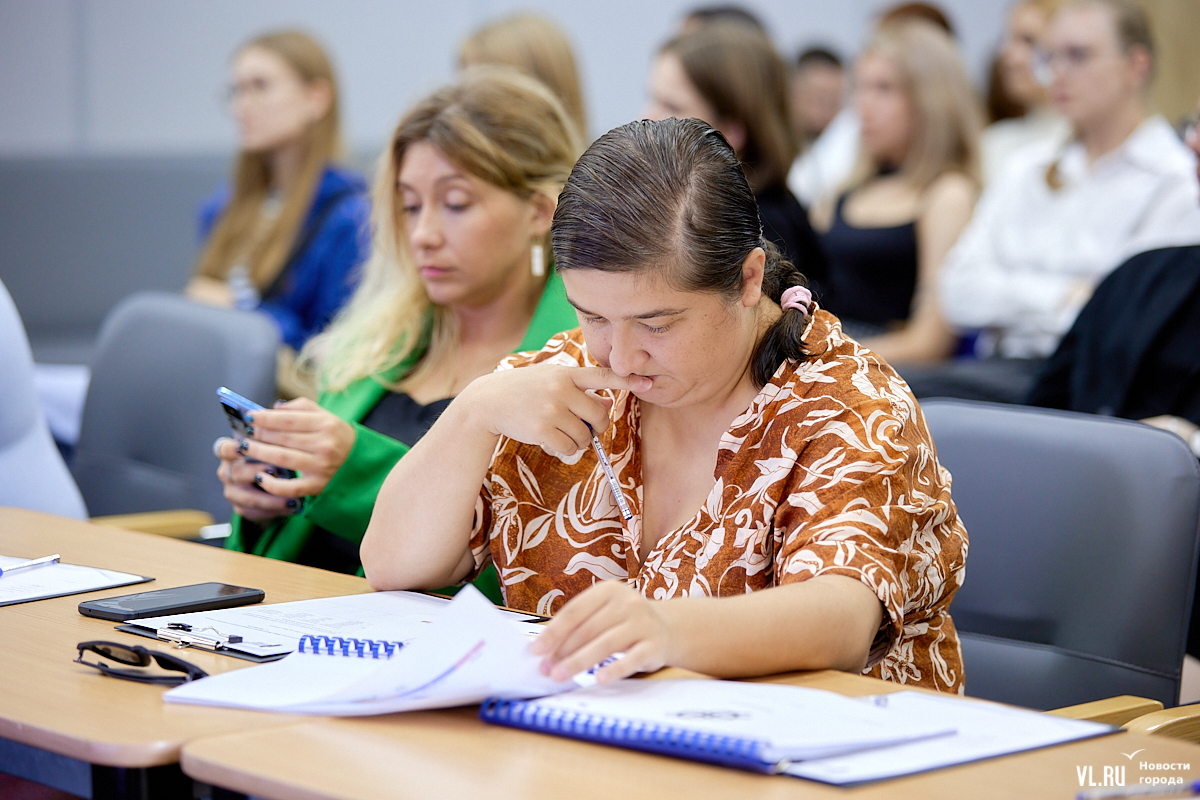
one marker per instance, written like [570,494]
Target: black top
[396,415]
[1134,350]
[785,223]
[872,271]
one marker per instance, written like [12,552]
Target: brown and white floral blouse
[830,471]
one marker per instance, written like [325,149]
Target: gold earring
[537,259]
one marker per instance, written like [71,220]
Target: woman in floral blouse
[787,507]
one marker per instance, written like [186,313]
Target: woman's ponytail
[785,338]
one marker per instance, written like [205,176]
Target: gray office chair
[1084,536]
[151,412]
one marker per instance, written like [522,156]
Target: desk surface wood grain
[442,754]
[48,701]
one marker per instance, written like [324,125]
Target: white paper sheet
[469,652]
[984,730]
[792,722]
[275,629]
[56,580]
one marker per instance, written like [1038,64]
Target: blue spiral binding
[713,748]
[336,645]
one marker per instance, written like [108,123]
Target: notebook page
[794,722]
[56,580]
[275,628]
[984,730]
[469,652]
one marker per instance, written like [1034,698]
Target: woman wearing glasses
[1065,213]
[287,235]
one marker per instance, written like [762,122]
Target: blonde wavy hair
[947,115]
[252,176]
[496,124]
[535,46]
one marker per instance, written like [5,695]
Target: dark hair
[672,196]
[822,56]
[729,12]
[925,11]
[737,71]
[1000,104]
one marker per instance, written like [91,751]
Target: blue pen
[1184,790]
[37,562]
[612,477]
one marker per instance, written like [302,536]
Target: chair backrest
[151,413]
[1084,536]
[32,473]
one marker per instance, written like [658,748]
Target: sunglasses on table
[137,656]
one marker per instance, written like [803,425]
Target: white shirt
[824,166]
[1031,255]
[1002,139]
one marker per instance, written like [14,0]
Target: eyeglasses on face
[137,656]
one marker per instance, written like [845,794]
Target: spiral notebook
[805,733]
[469,651]
[755,726]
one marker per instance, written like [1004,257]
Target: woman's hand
[608,618]
[209,291]
[548,405]
[241,491]
[299,435]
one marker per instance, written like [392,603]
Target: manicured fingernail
[217,447]
[291,504]
[243,445]
[249,430]
[248,417]
[258,479]
[546,666]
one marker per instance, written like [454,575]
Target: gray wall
[145,76]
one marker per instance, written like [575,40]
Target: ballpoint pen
[612,477]
[37,562]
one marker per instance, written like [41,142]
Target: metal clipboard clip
[182,635]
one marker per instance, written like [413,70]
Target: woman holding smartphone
[459,277]
[788,509]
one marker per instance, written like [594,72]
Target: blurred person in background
[1134,351]
[1062,216]
[818,89]
[1018,102]
[822,169]
[700,16]
[910,196]
[459,276]
[729,75]
[534,45]
[287,236]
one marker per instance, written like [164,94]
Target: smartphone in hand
[236,407]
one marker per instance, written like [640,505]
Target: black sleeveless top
[396,415]
[872,271]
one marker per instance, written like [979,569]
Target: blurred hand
[547,405]
[298,435]
[241,491]
[610,617]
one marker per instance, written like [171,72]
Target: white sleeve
[978,289]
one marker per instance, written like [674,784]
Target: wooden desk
[49,702]
[445,754]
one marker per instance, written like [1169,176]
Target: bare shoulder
[950,190]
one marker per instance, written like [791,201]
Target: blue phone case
[236,407]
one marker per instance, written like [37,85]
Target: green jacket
[344,507]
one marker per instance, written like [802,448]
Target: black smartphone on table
[180,600]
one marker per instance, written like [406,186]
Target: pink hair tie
[797,297]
